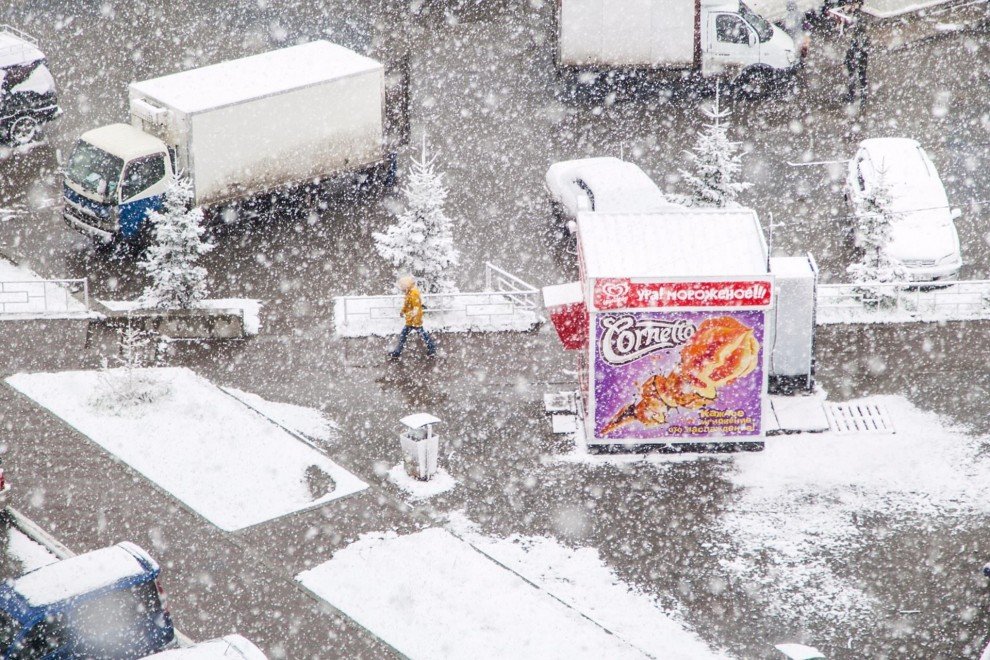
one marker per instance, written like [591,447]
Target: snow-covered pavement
[205,447]
[431,594]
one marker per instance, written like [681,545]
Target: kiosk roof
[679,243]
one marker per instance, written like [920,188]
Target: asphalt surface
[485,94]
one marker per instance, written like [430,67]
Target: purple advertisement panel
[678,376]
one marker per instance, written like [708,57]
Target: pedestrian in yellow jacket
[412,312]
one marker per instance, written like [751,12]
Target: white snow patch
[369,316]
[27,551]
[305,421]
[421,490]
[200,444]
[795,528]
[27,295]
[250,309]
[431,595]
[579,578]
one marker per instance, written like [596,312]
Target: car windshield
[758,23]
[89,165]
[8,629]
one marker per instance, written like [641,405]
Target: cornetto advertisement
[677,376]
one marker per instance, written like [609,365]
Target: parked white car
[923,238]
[604,185]
[230,647]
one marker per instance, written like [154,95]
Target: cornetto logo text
[627,338]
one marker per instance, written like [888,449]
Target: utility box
[420,445]
[792,360]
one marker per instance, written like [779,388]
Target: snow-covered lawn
[797,525]
[431,594]
[306,421]
[209,450]
[26,295]
[369,316]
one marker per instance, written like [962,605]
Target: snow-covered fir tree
[421,241]
[171,261]
[714,163]
[873,215]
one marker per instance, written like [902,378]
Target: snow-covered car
[229,647]
[923,235]
[605,185]
[27,88]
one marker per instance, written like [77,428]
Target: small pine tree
[874,215]
[715,162]
[177,282]
[421,242]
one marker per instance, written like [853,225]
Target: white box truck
[237,129]
[707,37]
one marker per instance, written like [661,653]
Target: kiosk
[672,320]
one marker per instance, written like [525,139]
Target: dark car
[27,88]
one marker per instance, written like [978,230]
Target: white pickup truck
[273,121]
[722,38]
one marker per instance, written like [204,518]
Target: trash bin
[420,445]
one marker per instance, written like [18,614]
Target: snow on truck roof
[675,243]
[83,573]
[123,141]
[274,72]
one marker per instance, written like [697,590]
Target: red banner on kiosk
[615,293]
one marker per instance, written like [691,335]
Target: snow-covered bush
[171,261]
[125,383]
[874,214]
[714,164]
[421,242]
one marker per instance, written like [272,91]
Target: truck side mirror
[752,39]
[955,214]
[101,188]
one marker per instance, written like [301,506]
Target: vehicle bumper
[88,230]
[933,273]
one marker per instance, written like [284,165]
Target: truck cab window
[731,29]
[141,174]
[46,637]
[763,28]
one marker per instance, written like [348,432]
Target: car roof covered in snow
[678,243]
[257,76]
[618,186]
[83,574]
[17,47]
[229,647]
[123,140]
[916,190]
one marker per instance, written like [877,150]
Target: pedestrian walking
[412,312]
[856,60]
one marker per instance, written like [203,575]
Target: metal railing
[23,44]
[49,298]
[507,301]
[962,300]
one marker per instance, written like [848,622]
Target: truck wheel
[756,83]
[23,131]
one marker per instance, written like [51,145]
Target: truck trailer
[706,37]
[237,130]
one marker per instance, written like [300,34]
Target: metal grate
[858,418]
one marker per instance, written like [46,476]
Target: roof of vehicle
[676,243]
[228,647]
[123,140]
[915,187]
[17,48]
[618,186]
[266,74]
[76,576]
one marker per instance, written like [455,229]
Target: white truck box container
[269,120]
[643,33]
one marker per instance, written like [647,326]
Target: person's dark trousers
[431,348]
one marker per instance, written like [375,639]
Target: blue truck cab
[115,175]
[102,604]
